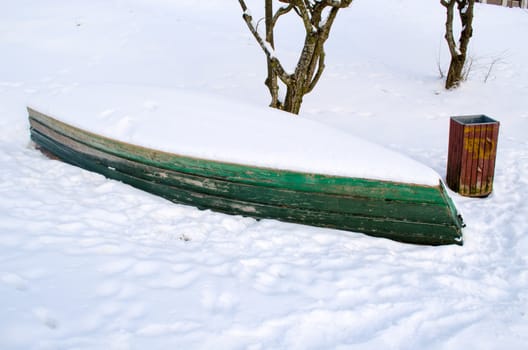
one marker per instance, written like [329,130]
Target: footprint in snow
[116,266]
[365,114]
[150,106]
[43,315]
[15,281]
[215,300]
[107,112]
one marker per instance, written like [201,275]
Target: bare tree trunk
[458,51]
[296,90]
[310,65]
[271,81]
[454,74]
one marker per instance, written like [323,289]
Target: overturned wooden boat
[213,153]
[406,212]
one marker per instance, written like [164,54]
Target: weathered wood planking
[274,196]
[374,207]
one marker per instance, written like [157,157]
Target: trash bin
[471,154]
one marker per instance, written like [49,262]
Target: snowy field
[89,263]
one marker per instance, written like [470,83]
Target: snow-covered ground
[90,263]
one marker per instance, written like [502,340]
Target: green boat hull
[403,212]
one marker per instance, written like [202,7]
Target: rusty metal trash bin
[471,155]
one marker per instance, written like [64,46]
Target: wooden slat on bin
[493,155]
[455,155]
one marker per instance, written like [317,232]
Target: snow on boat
[242,162]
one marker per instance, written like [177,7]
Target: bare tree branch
[311,62]
[277,66]
[449,28]
[320,69]
[305,15]
[340,4]
[332,3]
[243,5]
[324,33]
[281,11]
